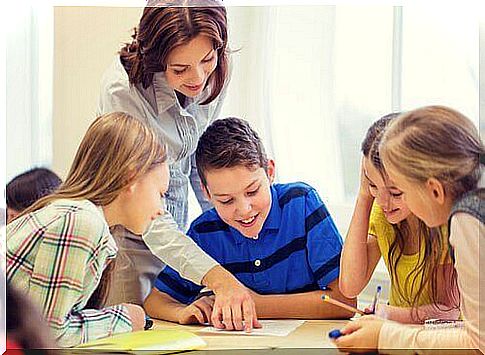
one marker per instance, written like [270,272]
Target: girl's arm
[308,305]
[408,316]
[360,252]
[70,261]
[447,299]
[466,235]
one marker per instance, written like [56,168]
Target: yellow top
[407,275]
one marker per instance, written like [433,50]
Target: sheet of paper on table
[279,328]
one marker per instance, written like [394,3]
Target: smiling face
[189,66]
[427,201]
[241,196]
[386,194]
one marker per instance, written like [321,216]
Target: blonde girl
[60,250]
[433,156]
[382,225]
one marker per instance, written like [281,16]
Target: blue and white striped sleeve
[170,282]
[324,243]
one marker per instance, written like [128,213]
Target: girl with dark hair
[26,188]
[174,74]
[418,262]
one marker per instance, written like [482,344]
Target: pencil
[326,298]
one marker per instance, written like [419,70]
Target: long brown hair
[116,150]
[429,238]
[164,26]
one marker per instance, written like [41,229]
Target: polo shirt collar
[273,220]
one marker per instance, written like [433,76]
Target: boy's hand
[197,312]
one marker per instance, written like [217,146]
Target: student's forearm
[161,306]
[408,315]
[355,264]
[308,305]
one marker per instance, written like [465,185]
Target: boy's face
[241,196]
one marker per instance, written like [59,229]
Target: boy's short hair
[227,143]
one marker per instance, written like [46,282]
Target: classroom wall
[85,42]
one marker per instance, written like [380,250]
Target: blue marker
[375,302]
[334,334]
[148,323]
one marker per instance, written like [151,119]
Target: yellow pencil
[326,298]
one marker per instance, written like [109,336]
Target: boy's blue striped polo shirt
[298,248]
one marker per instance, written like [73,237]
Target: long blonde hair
[435,142]
[116,150]
[433,250]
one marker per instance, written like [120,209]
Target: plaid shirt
[57,255]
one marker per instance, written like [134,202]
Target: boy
[278,240]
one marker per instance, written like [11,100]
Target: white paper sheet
[279,328]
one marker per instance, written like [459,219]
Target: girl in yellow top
[382,225]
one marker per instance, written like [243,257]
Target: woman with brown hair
[60,250]
[174,75]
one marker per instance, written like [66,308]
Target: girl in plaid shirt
[60,250]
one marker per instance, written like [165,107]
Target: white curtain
[29,76]
[311,79]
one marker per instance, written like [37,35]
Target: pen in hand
[375,302]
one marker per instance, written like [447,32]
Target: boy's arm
[307,305]
[162,306]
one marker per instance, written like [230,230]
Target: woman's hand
[361,335]
[198,311]
[137,316]
[233,304]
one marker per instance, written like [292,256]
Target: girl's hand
[137,316]
[197,312]
[380,311]
[361,335]
[364,189]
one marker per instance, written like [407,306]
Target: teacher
[174,74]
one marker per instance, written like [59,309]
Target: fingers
[354,343]
[217,316]
[351,327]
[237,318]
[227,318]
[250,318]
[198,314]
[206,309]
